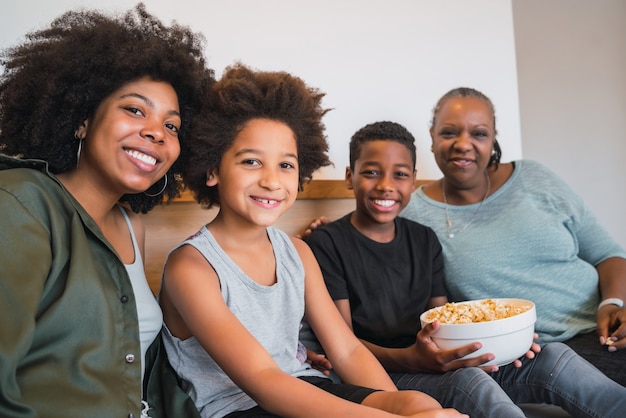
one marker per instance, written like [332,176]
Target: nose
[385,184]
[270,179]
[463,142]
[154,131]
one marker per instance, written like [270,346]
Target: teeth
[266,201]
[142,157]
[385,203]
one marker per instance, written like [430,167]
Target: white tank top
[148,310]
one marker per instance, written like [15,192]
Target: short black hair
[381,131]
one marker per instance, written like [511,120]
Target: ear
[81,132]
[211,178]
[348,179]
[414,180]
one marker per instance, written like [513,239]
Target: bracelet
[611,301]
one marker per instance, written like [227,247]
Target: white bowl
[508,338]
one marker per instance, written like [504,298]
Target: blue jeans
[611,364]
[556,376]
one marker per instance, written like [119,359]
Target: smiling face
[383,180]
[132,139]
[258,174]
[462,135]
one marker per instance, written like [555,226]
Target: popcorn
[466,313]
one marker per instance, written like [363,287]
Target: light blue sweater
[535,239]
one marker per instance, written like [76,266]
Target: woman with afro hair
[93,112]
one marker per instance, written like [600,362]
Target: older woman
[517,230]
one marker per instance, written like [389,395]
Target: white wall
[571,57]
[375,60]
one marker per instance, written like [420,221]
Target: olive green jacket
[69,335]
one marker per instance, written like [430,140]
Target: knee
[555,358]
[553,354]
[469,379]
[556,349]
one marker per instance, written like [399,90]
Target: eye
[447,133]
[402,174]
[251,162]
[481,134]
[287,165]
[172,127]
[370,173]
[134,110]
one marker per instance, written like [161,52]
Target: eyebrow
[147,101]
[255,151]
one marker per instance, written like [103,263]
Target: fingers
[617,339]
[534,348]
[611,327]
[316,223]
[453,359]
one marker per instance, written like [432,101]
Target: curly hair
[464,92]
[242,95]
[58,76]
[381,131]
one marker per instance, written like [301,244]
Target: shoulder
[21,180]
[301,247]
[186,261]
[537,175]
[332,229]
[417,232]
[533,168]
[35,192]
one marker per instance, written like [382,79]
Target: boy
[383,271]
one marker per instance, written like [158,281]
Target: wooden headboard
[170,224]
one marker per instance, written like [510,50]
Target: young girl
[234,294]
[96,107]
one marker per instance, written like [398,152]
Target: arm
[612,319]
[424,356]
[25,260]
[350,359]
[193,305]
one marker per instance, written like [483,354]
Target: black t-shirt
[388,284]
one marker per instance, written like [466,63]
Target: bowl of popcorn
[504,327]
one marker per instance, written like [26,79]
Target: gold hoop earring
[161,191]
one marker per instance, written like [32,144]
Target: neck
[460,196]
[96,202]
[379,232]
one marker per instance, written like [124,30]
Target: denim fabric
[611,364]
[556,376]
[468,390]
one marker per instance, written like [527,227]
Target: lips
[461,162]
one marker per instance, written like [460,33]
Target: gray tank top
[272,314]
